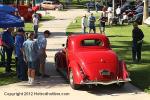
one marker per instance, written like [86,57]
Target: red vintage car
[88,59]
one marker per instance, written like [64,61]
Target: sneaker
[34,83]
[29,82]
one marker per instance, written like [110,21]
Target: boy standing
[42,43]
[30,54]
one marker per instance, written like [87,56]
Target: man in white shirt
[110,15]
[118,13]
[118,10]
[125,18]
[35,25]
[84,23]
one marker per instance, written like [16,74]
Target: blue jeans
[136,51]
[2,53]
[9,58]
[36,30]
[21,68]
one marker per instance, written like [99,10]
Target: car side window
[91,42]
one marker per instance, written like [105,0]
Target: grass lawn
[4,80]
[29,25]
[120,39]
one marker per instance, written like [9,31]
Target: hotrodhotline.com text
[35,94]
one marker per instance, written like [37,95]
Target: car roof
[87,36]
[75,39]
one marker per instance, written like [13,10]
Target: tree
[145,12]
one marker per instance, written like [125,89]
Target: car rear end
[102,68]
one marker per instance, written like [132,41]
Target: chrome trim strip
[106,83]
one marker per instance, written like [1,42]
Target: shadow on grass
[139,72]
[117,36]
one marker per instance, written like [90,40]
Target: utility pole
[113,7]
[17,3]
[145,12]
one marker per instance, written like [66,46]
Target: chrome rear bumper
[105,83]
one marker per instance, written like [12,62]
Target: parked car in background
[26,12]
[88,59]
[51,5]
[147,21]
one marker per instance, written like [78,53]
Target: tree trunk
[28,2]
[113,7]
[78,1]
[145,12]
[22,2]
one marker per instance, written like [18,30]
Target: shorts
[102,29]
[32,64]
[42,58]
[92,27]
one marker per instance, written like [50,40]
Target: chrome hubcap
[71,77]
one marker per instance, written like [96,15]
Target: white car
[147,21]
[52,5]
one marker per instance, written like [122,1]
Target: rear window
[91,42]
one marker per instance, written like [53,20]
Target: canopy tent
[6,8]
[8,20]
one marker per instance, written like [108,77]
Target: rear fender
[60,59]
[123,73]
[76,72]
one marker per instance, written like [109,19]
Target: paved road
[56,86]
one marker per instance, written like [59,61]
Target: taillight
[84,76]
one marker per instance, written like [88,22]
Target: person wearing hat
[30,51]
[8,44]
[21,66]
[84,23]
[137,36]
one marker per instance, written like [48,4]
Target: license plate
[104,72]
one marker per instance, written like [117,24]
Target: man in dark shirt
[21,68]
[8,43]
[137,36]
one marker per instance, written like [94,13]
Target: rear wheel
[71,80]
